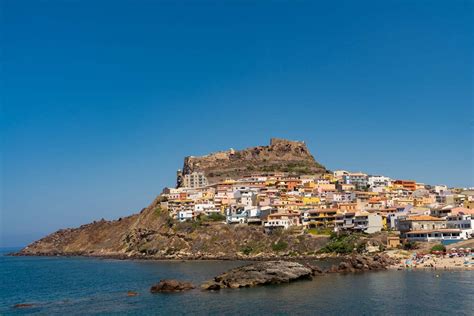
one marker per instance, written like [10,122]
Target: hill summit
[292,157]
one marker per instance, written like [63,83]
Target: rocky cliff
[153,234]
[281,155]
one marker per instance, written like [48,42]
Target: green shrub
[439,247]
[338,247]
[215,217]
[343,243]
[279,246]
[196,223]
[409,245]
[170,221]
[246,250]
[158,210]
[320,231]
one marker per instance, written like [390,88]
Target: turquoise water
[78,286]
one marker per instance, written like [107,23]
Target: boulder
[171,286]
[363,263]
[260,273]
[316,270]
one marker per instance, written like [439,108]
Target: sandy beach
[434,262]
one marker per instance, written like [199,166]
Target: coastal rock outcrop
[153,234]
[357,263]
[260,273]
[171,286]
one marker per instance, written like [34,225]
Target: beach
[433,261]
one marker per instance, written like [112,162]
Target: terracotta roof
[323,210]
[388,209]
[462,210]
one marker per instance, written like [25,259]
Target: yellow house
[330,177]
[404,201]
[311,200]
[423,201]
[469,204]
[309,185]
[319,218]
[326,186]
[208,195]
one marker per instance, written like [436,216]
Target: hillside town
[340,201]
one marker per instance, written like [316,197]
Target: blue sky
[101,100]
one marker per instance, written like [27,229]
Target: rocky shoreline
[179,257]
[348,263]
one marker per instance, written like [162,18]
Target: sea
[93,286]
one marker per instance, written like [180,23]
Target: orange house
[406,184]
[291,184]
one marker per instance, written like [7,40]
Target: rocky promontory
[152,234]
[260,273]
[278,272]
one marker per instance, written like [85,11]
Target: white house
[341,196]
[236,215]
[340,173]
[359,221]
[463,222]
[437,235]
[185,215]
[249,198]
[205,208]
[282,220]
[440,189]
[378,183]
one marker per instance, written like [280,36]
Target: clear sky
[101,100]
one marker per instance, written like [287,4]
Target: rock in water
[170,286]
[357,263]
[260,273]
[23,305]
